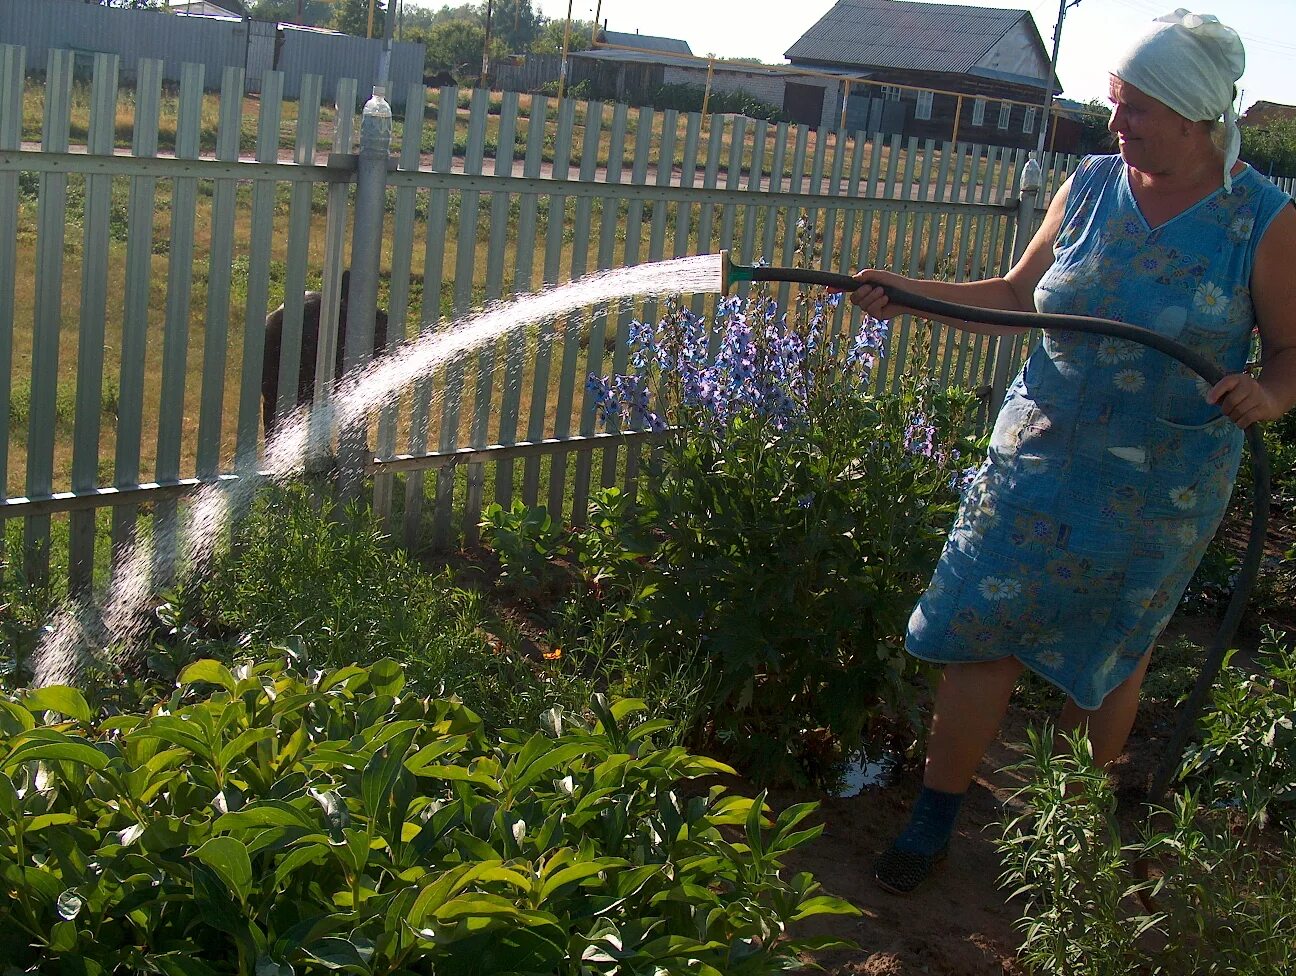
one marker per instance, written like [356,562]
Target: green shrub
[1246,756]
[792,516]
[689,98]
[334,582]
[1220,897]
[262,820]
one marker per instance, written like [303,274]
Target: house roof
[1267,113]
[914,36]
[645,42]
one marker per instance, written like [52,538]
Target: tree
[1271,148]
[515,23]
[549,39]
[314,13]
[456,46]
[129,4]
[424,18]
[1094,137]
[352,17]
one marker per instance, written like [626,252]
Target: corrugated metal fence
[216,43]
[153,233]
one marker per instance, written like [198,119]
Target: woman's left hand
[1244,400]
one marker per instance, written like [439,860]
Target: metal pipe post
[1023,231]
[366,252]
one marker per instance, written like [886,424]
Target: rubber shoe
[901,872]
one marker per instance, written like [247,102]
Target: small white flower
[1050,659]
[1187,534]
[1109,352]
[1034,464]
[1130,351]
[1209,299]
[1129,380]
[996,589]
[1184,497]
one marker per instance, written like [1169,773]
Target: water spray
[732,274]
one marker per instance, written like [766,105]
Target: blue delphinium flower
[961,481]
[747,359]
[920,436]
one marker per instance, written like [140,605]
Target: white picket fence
[153,233]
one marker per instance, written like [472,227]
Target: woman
[1110,465]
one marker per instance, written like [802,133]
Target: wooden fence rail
[134,290]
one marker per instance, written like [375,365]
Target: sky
[1091,33]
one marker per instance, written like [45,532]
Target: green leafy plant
[794,513]
[526,539]
[1246,756]
[1218,898]
[264,820]
[334,583]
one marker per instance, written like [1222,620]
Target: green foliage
[689,98]
[312,13]
[524,538]
[261,820]
[1094,136]
[1064,855]
[332,582]
[352,17]
[1247,753]
[1220,897]
[456,45]
[1271,148]
[549,36]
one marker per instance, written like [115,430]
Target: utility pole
[562,68]
[1063,5]
[485,71]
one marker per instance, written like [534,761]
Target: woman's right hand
[871,296]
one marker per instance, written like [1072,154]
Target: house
[208,8]
[933,70]
[631,67]
[1264,114]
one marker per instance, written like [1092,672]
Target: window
[924,109]
[891,93]
[1028,120]
[978,111]
[1005,114]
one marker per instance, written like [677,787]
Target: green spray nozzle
[731,273]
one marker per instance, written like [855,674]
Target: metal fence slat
[587,326]
[87,429]
[609,219]
[220,260]
[399,291]
[12,65]
[319,443]
[483,402]
[175,339]
[259,257]
[455,385]
[511,402]
[298,252]
[51,213]
[554,234]
[135,310]
[431,309]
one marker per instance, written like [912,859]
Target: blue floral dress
[1108,472]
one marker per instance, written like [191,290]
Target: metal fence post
[362,298]
[1023,231]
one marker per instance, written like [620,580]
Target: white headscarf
[1190,63]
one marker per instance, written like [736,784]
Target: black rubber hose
[1203,367]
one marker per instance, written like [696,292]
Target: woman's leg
[1109,724]
[970,705]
